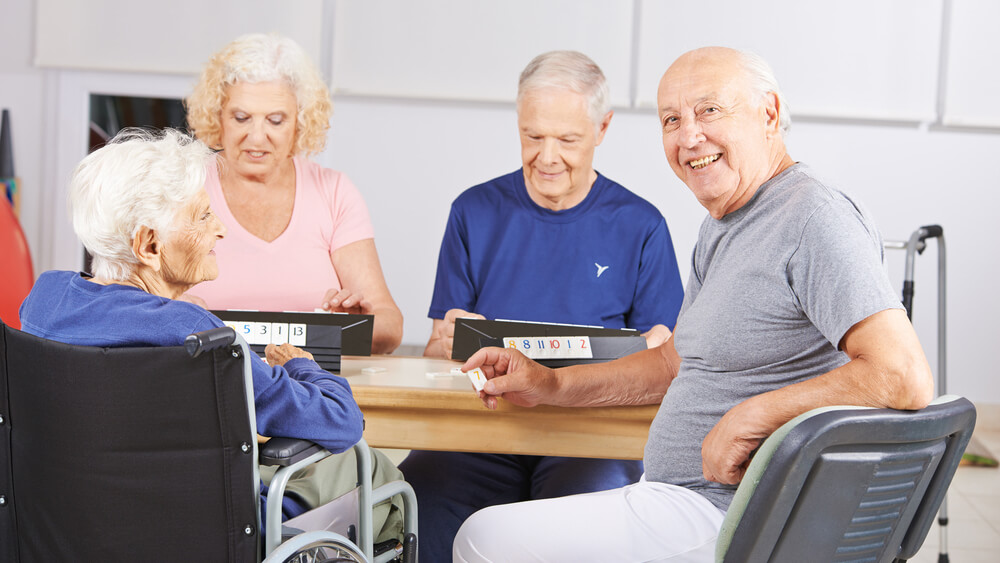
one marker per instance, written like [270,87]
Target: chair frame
[785,482]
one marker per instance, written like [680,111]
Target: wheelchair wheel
[327,552]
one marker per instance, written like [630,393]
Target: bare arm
[887,368]
[638,379]
[365,291]
[442,340]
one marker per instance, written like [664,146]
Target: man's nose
[690,133]
[550,150]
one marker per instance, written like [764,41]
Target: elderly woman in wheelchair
[140,209]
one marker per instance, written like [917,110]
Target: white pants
[644,522]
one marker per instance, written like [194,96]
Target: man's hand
[725,452]
[512,376]
[656,336]
[346,301]
[442,340]
[277,355]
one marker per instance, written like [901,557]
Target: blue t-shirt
[297,400]
[607,261]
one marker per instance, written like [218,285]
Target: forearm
[859,382]
[638,379]
[388,330]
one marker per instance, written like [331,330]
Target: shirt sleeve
[301,400]
[351,221]
[659,291]
[837,274]
[453,285]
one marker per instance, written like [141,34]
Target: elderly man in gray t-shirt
[787,308]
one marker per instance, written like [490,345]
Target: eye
[240,117]
[670,121]
[276,119]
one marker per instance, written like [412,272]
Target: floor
[973,531]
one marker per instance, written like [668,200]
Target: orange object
[16,274]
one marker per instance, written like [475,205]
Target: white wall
[411,157]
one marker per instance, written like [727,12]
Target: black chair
[847,484]
[135,454]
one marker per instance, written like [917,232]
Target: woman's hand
[277,355]
[347,301]
[358,268]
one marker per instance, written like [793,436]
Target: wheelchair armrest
[286,451]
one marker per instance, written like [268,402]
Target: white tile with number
[551,347]
[270,333]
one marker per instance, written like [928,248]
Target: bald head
[736,64]
[722,125]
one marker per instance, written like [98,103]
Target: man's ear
[773,111]
[146,246]
[603,128]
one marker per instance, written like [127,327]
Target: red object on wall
[16,274]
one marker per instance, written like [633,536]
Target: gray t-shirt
[774,286]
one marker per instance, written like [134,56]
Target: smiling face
[721,139]
[557,146]
[258,127]
[187,257]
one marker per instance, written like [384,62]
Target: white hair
[139,178]
[569,70]
[762,82]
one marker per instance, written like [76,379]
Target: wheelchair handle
[211,339]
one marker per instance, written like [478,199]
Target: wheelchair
[151,453]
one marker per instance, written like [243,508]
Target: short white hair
[140,178]
[762,81]
[569,70]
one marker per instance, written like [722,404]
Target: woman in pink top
[300,237]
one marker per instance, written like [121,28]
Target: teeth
[256,154]
[703,162]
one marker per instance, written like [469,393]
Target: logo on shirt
[600,269]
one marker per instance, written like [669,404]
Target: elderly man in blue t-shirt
[554,241]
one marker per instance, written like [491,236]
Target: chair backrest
[137,454]
[847,484]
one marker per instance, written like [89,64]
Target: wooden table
[407,408]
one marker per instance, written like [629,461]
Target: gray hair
[569,70]
[139,178]
[762,81]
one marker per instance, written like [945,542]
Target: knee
[476,539]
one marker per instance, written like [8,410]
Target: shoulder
[311,174]
[54,278]
[490,193]
[620,195]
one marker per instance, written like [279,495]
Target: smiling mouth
[704,161]
[256,154]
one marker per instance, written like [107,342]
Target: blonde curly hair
[260,57]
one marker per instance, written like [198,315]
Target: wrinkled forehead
[698,77]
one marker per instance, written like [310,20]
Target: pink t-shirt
[294,271]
